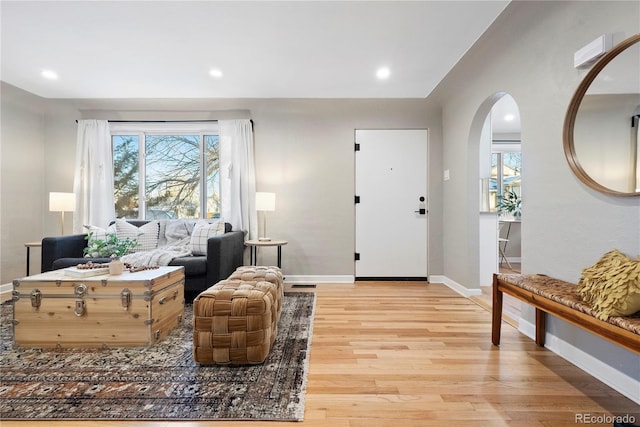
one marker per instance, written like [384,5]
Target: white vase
[116,266]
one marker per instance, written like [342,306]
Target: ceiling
[264,49]
[505,117]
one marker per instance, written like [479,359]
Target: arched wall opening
[495,166]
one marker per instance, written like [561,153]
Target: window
[506,169]
[166,170]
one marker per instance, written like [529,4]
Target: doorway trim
[411,136]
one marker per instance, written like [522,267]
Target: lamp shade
[265,201]
[62,202]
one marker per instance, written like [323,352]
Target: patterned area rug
[161,382]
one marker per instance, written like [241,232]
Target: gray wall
[304,153]
[566,227]
[22,196]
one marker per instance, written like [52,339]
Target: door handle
[422,209]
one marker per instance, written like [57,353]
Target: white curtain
[93,179]
[237,176]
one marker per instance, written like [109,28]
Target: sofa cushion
[95,236]
[178,231]
[193,265]
[201,233]
[146,235]
[99,232]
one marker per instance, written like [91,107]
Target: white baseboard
[6,287]
[615,379]
[465,292]
[6,291]
[318,279]
[527,328]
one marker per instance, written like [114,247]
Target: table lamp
[265,202]
[62,202]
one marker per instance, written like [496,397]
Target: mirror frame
[572,112]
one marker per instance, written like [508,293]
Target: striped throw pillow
[147,235]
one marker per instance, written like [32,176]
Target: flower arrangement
[510,202]
[111,246]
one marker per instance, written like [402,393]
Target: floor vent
[303,285]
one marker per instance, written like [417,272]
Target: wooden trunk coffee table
[54,309]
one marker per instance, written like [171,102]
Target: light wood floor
[408,354]
[510,305]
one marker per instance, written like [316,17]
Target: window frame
[499,147]
[202,129]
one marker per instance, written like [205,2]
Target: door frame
[428,197]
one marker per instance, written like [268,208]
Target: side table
[253,249]
[30,245]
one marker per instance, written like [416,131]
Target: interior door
[391,204]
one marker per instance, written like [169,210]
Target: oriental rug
[161,382]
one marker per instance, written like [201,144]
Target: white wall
[304,153]
[528,53]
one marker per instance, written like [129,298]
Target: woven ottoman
[235,323]
[252,273]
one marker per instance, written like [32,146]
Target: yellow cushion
[612,285]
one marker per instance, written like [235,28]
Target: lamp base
[264,239]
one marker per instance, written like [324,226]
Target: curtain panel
[93,177]
[237,176]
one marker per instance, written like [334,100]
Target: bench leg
[496,313]
[541,326]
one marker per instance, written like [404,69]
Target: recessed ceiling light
[48,74]
[383,73]
[509,117]
[215,73]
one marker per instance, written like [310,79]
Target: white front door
[391,229]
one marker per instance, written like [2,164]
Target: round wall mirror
[601,133]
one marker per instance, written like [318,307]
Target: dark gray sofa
[225,253]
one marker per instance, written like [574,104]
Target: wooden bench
[559,298]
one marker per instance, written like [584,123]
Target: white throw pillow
[147,235]
[201,233]
[99,232]
[178,231]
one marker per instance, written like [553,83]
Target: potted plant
[111,246]
[510,203]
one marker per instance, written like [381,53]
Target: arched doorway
[495,143]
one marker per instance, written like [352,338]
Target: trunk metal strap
[125,297]
[79,307]
[36,298]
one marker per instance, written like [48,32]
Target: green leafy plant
[510,202]
[111,247]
